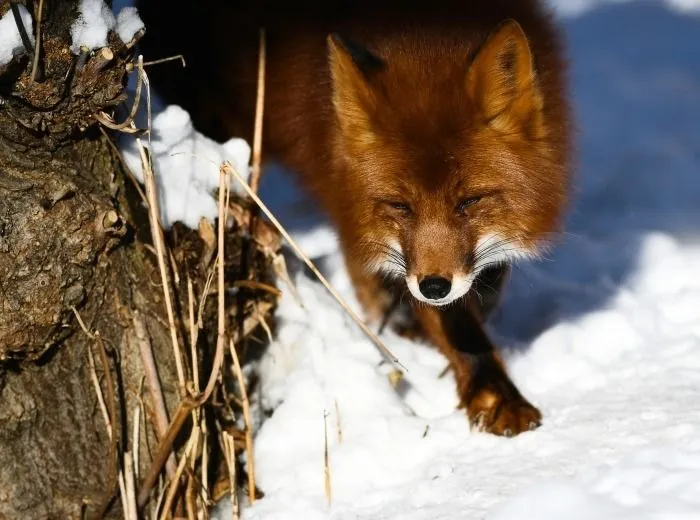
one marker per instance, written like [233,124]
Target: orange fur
[430,129]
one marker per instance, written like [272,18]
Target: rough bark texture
[73,235]
[66,241]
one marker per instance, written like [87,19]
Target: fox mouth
[460,286]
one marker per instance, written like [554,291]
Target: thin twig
[194,333]
[136,438]
[128,171]
[37,41]
[372,336]
[187,404]
[338,423]
[156,231]
[107,120]
[98,391]
[130,487]
[221,314]
[254,284]
[326,465]
[165,445]
[205,294]
[122,494]
[191,495]
[174,482]
[248,422]
[100,60]
[263,323]
[230,455]
[154,387]
[164,60]
[259,110]
[109,411]
[205,454]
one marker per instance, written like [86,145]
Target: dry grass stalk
[157,233]
[221,287]
[187,404]
[326,465]
[175,480]
[259,111]
[159,503]
[191,499]
[37,41]
[206,291]
[98,391]
[248,422]
[254,284]
[372,336]
[127,125]
[135,439]
[230,454]
[279,264]
[338,423]
[263,323]
[194,334]
[205,456]
[154,387]
[165,60]
[108,406]
[126,168]
[122,495]
[130,485]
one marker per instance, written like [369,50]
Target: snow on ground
[604,335]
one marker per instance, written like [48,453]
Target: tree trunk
[73,235]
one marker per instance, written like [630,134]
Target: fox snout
[439,289]
[440,270]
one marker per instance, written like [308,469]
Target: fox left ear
[503,83]
[352,68]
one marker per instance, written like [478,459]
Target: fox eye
[464,204]
[400,206]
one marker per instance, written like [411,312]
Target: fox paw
[501,411]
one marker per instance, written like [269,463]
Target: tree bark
[72,236]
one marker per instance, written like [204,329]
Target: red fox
[436,137]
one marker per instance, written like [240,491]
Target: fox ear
[352,68]
[503,83]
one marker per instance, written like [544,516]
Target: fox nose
[435,287]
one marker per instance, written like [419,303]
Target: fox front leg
[492,401]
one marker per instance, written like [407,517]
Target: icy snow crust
[604,336]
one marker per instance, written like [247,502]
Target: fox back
[437,137]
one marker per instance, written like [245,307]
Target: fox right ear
[351,68]
[503,83]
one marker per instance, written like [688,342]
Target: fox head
[455,158]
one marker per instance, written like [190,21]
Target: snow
[185,162]
[186,165]
[569,8]
[10,39]
[604,335]
[96,19]
[128,24]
